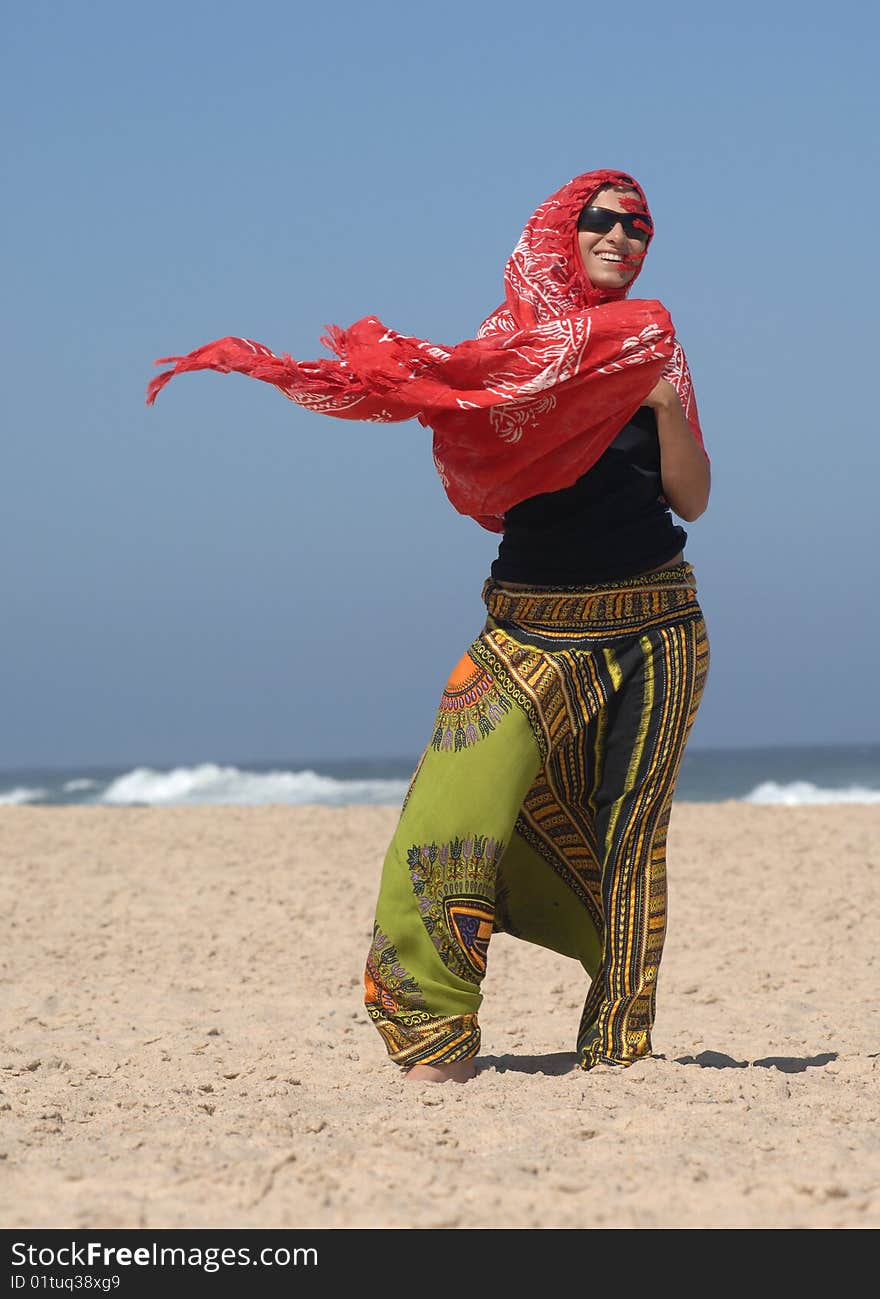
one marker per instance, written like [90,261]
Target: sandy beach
[183,1041]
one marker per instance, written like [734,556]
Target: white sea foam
[21,794]
[71,785]
[804,791]
[210,783]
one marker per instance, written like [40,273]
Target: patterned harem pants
[540,808]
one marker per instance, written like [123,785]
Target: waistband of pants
[612,604]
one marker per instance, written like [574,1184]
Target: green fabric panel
[477,790]
[544,910]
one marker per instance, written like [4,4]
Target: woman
[540,806]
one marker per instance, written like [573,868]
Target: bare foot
[458,1072]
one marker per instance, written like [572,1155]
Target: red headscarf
[528,405]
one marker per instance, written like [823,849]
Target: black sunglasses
[601,220]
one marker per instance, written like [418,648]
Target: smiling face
[608,258]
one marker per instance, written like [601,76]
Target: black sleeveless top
[612,522]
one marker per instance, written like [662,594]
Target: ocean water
[785,776]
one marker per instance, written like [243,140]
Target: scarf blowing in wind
[526,406]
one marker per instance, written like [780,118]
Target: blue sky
[227,577]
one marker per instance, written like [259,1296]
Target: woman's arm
[684,469]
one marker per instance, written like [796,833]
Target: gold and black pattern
[657,578]
[471,921]
[557,817]
[530,678]
[569,618]
[632,826]
[440,1039]
[454,887]
[471,707]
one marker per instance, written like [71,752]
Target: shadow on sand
[560,1062]
[784,1063]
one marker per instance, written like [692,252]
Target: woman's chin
[610,281]
[604,277]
